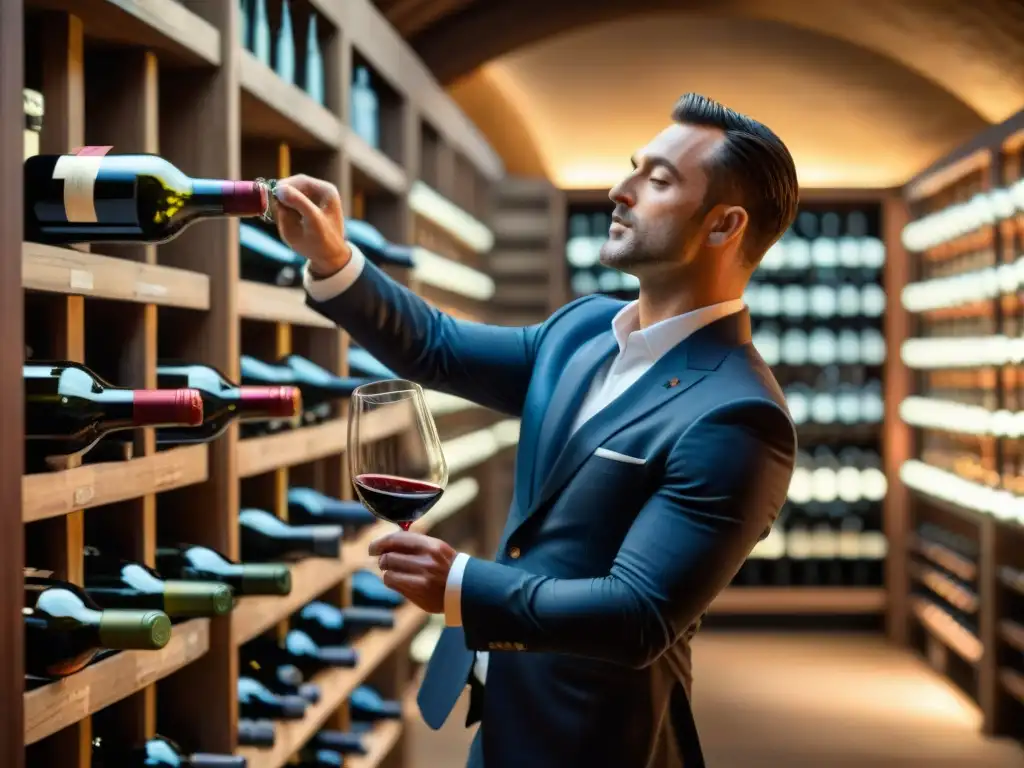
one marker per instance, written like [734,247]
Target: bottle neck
[216,197]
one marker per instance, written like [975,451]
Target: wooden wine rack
[170,77]
[980,661]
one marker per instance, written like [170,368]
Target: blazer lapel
[678,370]
[573,384]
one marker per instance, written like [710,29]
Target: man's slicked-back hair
[753,168]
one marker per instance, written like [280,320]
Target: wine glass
[395,458]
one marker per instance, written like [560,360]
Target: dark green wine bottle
[65,629]
[114,583]
[196,563]
[158,752]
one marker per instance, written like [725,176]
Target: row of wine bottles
[127,605]
[69,409]
[819,301]
[827,545]
[845,404]
[958,219]
[254,28]
[850,475]
[820,347]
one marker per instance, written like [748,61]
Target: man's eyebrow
[657,161]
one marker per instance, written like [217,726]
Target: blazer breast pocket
[605,453]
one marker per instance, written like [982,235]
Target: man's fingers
[321,193]
[294,198]
[405,542]
[396,561]
[406,583]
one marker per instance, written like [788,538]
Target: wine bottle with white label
[93,196]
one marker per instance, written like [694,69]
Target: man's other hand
[310,221]
[415,565]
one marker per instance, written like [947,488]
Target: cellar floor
[821,701]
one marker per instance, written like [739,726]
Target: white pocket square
[604,453]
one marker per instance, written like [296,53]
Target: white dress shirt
[639,349]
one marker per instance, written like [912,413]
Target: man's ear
[728,223]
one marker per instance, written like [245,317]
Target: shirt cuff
[453,591]
[327,288]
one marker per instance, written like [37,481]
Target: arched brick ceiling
[866,92]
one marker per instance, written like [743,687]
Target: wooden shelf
[800,600]
[310,579]
[377,170]
[62,270]
[164,26]
[275,109]
[335,687]
[946,558]
[942,627]
[379,743]
[273,304]
[257,455]
[1013,634]
[52,494]
[442,212]
[1013,682]
[65,702]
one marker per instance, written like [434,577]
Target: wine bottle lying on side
[93,196]
[367,705]
[329,625]
[267,537]
[256,701]
[68,409]
[282,679]
[300,651]
[265,259]
[194,563]
[114,583]
[307,506]
[340,741]
[256,733]
[65,629]
[369,591]
[377,248]
[158,752]
[310,757]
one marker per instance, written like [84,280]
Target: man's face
[659,207]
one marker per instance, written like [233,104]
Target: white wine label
[150,289]
[80,280]
[79,174]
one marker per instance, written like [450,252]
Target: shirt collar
[663,336]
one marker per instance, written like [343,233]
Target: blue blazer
[606,566]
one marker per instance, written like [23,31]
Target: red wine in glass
[395,458]
[397,499]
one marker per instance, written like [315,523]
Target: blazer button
[514,553]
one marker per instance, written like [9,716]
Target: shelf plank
[379,742]
[800,600]
[65,702]
[379,170]
[310,579]
[257,455]
[1013,682]
[164,26]
[335,687]
[1013,634]
[53,494]
[275,109]
[273,304]
[946,558]
[942,627]
[62,270]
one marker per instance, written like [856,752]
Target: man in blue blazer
[655,450]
